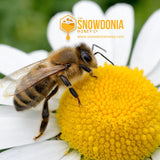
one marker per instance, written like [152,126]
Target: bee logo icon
[68,24]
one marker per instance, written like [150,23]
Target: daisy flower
[119,118]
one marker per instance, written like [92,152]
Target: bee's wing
[12,80]
[21,72]
[40,75]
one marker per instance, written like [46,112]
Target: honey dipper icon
[68,25]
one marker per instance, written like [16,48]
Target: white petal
[3,99]
[156,155]
[154,75]
[19,128]
[146,53]
[12,59]
[58,95]
[38,55]
[87,9]
[74,155]
[56,37]
[121,46]
[48,150]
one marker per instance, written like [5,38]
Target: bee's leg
[68,84]
[87,70]
[45,113]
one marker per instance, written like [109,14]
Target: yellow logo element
[68,24]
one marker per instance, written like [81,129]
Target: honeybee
[41,80]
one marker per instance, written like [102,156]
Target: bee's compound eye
[85,56]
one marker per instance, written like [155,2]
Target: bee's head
[86,56]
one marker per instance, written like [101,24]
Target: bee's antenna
[104,57]
[94,45]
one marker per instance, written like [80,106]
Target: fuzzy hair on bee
[41,80]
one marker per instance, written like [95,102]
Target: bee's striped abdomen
[33,95]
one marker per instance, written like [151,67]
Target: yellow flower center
[119,118]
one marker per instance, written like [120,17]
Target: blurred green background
[23,23]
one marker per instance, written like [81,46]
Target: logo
[68,24]
[92,28]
